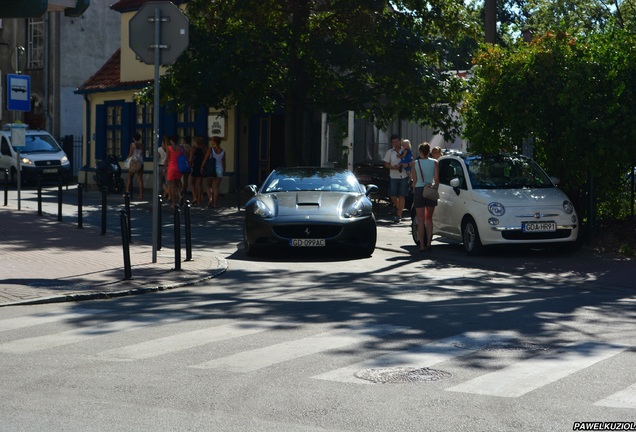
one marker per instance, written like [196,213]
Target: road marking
[183,341]
[45,318]
[623,399]
[420,356]
[528,375]
[256,359]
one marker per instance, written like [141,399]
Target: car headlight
[64,160]
[261,209]
[26,161]
[356,209]
[568,207]
[496,209]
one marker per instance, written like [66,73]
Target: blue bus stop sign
[18,92]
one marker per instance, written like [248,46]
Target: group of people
[405,171]
[174,179]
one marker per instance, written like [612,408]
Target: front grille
[307,231]
[52,163]
[519,235]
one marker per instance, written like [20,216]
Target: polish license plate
[307,242]
[538,227]
[49,170]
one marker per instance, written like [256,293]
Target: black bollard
[188,231]
[104,205]
[39,195]
[6,187]
[177,237]
[59,201]
[127,207]
[125,244]
[159,222]
[80,204]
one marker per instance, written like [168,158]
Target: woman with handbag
[214,176]
[136,165]
[426,173]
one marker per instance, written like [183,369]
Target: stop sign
[173,36]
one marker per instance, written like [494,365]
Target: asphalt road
[511,341]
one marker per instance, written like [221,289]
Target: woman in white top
[213,184]
[425,170]
[136,156]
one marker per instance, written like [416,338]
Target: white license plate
[307,242]
[49,170]
[538,226]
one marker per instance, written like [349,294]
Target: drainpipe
[47,64]
[87,139]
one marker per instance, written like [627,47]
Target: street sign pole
[155,195]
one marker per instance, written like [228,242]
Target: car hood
[310,202]
[520,197]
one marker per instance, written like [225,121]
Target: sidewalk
[44,260]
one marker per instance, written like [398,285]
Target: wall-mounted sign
[18,92]
[216,125]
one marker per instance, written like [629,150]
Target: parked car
[40,156]
[310,207]
[500,199]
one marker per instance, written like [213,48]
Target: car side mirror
[371,189]
[555,180]
[252,188]
[455,183]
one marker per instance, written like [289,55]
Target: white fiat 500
[501,199]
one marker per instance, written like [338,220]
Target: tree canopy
[384,60]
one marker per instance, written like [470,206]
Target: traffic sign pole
[155,195]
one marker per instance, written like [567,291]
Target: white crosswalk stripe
[623,399]
[526,376]
[183,341]
[45,318]
[420,356]
[252,360]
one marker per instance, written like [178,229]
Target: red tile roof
[107,78]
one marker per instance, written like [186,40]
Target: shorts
[399,187]
[419,201]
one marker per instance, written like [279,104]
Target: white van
[40,155]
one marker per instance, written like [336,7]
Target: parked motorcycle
[108,174]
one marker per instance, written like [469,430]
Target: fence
[73,147]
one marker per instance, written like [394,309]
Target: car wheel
[470,236]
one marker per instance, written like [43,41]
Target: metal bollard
[6,187]
[104,205]
[127,207]
[177,237]
[39,195]
[125,244]
[59,201]
[159,223]
[80,204]
[188,231]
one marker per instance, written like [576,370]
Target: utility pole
[490,23]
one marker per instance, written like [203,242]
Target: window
[144,118]
[113,130]
[186,123]
[35,44]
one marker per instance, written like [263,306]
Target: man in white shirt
[398,188]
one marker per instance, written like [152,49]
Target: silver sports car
[310,207]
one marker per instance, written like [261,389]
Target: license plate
[538,226]
[49,170]
[307,242]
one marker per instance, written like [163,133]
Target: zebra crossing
[520,377]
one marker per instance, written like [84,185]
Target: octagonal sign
[173,35]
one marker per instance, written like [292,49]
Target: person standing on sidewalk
[213,184]
[425,171]
[196,177]
[163,153]
[399,178]
[136,166]
[173,176]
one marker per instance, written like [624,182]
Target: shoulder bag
[209,167]
[184,166]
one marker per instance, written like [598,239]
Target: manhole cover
[402,375]
[503,346]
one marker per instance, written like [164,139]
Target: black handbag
[209,168]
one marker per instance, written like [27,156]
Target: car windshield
[506,172]
[39,144]
[311,179]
